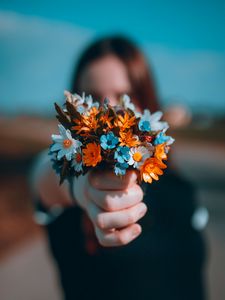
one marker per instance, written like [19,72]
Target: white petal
[77,144]
[130,161]
[68,134]
[170,141]
[61,153]
[69,155]
[156,126]
[57,138]
[62,130]
[56,147]
[147,115]
[156,116]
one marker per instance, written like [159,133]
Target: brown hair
[143,87]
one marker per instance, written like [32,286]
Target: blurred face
[106,77]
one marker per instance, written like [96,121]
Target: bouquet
[101,136]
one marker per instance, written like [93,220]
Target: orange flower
[92,155]
[128,139]
[88,123]
[151,168]
[125,122]
[160,152]
[106,120]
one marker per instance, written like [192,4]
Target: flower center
[137,156]
[78,158]
[67,143]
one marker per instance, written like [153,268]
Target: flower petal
[56,147]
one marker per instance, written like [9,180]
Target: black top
[165,262]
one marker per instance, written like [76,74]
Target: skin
[114,205]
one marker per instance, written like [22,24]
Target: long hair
[140,76]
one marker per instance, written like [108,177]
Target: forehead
[105,75]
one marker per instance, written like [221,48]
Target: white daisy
[82,103]
[77,162]
[88,100]
[64,143]
[127,104]
[154,120]
[138,155]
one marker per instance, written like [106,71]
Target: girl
[97,242]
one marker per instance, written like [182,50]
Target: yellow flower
[160,152]
[151,168]
[125,122]
[92,155]
[128,139]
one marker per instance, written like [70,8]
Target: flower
[127,104]
[125,122]
[128,139]
[144,125]
[122,154]
[106,120]
[162,138]
[82,103]
[153,119]
[160,152]
[120,168]
[138,155]
[88,101]
[109,141]
[92,154]
[64,143]
[77,163]
[151,168]
[87,123]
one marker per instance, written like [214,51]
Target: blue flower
[144,125]
[161,138]
[120,168]
[154,120]
[109,141]
[122,154]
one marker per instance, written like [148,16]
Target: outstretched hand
[113,204]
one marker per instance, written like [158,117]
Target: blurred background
[39,44]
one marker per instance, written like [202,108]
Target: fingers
[115,200]
[107,180]
[118,219]
[118,237]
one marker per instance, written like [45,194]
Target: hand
[113,204]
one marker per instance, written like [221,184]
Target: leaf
[63,118]
[64,171]
[72,111]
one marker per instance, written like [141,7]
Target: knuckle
[108,203]
[139,192]
[130,217]
[102,242]
[122,239]
[100,221]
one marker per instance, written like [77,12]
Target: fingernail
[135,231]
[142,212]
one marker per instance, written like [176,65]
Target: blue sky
[187,24]
[39,41]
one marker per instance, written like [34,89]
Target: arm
[114,205]
[25,135]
